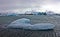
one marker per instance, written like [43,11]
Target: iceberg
[25,24]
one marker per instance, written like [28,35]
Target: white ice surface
[42,26]
[25,24]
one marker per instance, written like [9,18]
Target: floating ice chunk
[25,24]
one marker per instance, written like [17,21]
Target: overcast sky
[26,5]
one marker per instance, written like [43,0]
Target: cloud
[26,4]
[21,3]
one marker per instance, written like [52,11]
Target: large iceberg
[25,24]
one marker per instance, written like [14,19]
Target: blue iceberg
[25,24]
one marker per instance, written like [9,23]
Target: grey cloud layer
[20,3]
[16,4]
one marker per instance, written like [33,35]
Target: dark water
[26,33]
